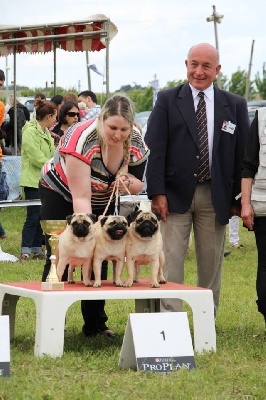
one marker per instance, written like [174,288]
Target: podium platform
[51,308]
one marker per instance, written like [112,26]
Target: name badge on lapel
[229,127]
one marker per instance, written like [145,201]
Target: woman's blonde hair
[122,106]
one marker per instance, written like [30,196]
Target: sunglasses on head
[72,114]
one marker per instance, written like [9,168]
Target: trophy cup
[53,228]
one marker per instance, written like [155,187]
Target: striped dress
[81,141]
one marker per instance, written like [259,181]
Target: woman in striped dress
[81,176]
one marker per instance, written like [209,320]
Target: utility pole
[216,18]
[249,72]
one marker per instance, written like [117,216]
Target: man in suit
[174,165]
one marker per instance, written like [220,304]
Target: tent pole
[15,102]
[107,42]
[54,68]
[88,70]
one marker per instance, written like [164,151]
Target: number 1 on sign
[162,333]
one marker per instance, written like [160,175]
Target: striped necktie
[201,117]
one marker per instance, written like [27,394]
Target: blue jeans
[32,233]
[2,231]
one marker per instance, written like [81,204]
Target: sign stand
[157,342]
[4,346]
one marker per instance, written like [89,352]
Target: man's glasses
[72,114]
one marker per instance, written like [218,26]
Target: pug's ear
[132,216]
[103,220]
[158,215]
[93,217]
[69,218]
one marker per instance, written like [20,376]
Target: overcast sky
[153,39]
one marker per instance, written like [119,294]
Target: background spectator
[37,147]
[90,99]
[69,115]
[23,115]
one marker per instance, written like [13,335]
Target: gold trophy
[53,228]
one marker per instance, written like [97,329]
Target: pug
[144,246]
[76,245]
[110,236]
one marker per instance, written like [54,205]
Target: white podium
[4,346]
[51,307]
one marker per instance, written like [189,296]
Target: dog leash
[115,192]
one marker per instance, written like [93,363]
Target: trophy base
[53,286]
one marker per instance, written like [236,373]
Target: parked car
[256,103]
[141,118]
[29,103]
[253,105]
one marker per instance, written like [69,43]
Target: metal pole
[107,41]
[7,69]
[15,102]
[88,70]
[54,68]
[249,72]
[217,45]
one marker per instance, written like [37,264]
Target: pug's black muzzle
[146,228]
[117,231]
[81,229]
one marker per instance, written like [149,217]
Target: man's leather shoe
[109,333]
[105,331]
[226,253]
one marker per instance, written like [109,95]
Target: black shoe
[227,253]
[107,332]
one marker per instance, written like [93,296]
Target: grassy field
[89,367]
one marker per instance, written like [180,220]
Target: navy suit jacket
[174,159]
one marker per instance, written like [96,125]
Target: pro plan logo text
[165,364]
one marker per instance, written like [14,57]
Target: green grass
[89,369]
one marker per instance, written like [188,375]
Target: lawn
[89,367]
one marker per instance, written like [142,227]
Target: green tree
[224,81]
[238,83]
[142,98]
[261,83]
[174,83]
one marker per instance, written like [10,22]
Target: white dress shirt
[209,100]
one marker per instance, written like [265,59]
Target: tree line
[143,96]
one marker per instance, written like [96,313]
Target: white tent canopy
[92,34]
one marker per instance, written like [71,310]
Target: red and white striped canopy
[89,35]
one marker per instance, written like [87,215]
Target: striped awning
[91,34]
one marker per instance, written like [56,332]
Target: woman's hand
[247,215]
[129,183]
[124,182]
[247,212]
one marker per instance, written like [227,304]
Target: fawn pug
[145,246]
[110,236]
[76,245]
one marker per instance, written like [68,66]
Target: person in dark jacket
[23,115]
[184,196]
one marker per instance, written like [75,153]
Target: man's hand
[160,204]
